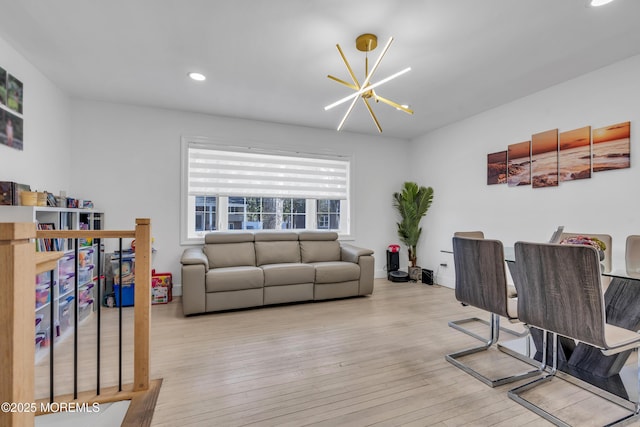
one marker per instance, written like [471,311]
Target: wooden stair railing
[19,264]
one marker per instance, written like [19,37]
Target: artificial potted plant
[412,204]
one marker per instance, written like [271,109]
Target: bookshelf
[57,291]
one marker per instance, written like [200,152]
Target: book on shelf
[45,245]
[51,200]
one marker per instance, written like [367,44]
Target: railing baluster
[75,321]
[98,308]
[52,333]
[120,301]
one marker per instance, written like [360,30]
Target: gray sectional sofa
[247,269]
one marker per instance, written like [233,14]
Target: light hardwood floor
[375,360]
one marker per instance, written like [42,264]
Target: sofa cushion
[288,274]
[319,251]
[277,252]
[275,236]
[230,254]
[228,237]
[317,235]
[233,279]
[336,272]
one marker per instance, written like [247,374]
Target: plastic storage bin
[40,339]
[85,274]
[128,291]
[85,293]
[42,294]
[84,309]
[39,319]
[67,264]
[65,318]
[85,257]
[66,283]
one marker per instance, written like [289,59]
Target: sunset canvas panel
[611,147]
[575,154]
[519,164]
[497,168]
[544,159]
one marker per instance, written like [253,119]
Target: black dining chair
[560,292]
[481,282]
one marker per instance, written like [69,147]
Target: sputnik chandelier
[366,43]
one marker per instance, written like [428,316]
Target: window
[268,213]
[328,212]
[205,213]
[228,188]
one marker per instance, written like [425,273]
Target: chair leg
[456,324]
[526,356]
[516,393]
[494,336]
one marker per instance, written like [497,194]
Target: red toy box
[161,285]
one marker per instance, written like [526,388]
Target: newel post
[142,310]
[17,321]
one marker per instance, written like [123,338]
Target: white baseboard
[446,280]
[176,291]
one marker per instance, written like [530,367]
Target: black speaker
[427,276]
[393,261]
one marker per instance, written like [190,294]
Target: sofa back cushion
[229,249]
[276,247]
[319,246]
[228,237]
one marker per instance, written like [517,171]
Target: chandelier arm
[373,116]
[347,84]
[346,63]
[366,89]
[393,104]
[375,66]
[344,119]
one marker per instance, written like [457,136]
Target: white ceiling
[269,60]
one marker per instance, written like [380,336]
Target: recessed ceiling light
[197,77]
[599,2]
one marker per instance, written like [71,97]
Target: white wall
[453,161]
[133,154]
[44,163]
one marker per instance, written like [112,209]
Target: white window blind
[252,174]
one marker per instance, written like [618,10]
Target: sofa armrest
[194,256]
[364,258]
[195,265]
[352,253]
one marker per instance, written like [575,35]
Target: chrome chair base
[515,394]
[491,382]
[455,324]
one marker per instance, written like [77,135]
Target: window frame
[187,203]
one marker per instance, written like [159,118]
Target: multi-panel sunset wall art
[551,157]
